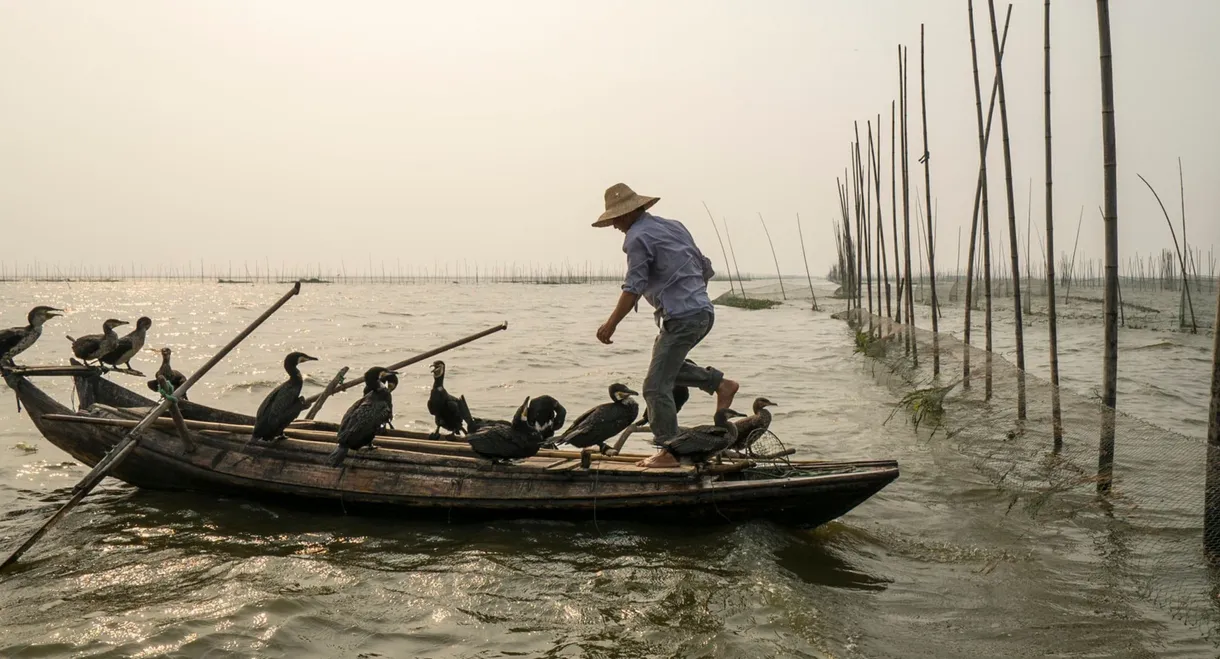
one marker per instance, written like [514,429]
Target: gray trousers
[669,368]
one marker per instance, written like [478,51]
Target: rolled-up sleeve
[639,262]
[708,272]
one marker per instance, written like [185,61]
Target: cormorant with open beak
[15,340]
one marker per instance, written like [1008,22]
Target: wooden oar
[417,358]
[121,451]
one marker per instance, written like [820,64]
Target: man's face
[623,223]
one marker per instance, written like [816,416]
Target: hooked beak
[51,313]
[631,392]
[123,322]
[307,358]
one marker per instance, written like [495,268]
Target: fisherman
[665,267]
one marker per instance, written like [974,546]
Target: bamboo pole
[894,207]
[773,256]
[722,252]
[883,271]
[132,439]
[1014,252]
[808,276]
[1211,499]
[1052,322]
[927,189]
[906,207]
[1194,328]
[729,238]
[1109,384]
[417,358]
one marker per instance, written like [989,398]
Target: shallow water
[932,566]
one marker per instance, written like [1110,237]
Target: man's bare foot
[725,392]
[663,459]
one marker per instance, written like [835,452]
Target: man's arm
[626,302]
[639,262]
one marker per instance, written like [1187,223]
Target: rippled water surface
[930,567]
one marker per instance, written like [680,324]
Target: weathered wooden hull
[452,485]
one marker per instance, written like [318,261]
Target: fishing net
[1147,530]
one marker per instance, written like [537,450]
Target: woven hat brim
[626,206]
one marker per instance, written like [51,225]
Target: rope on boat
[167,395]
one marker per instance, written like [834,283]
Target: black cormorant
[702,443]
[500,443]
[93,346]
[283,404]
[362,421]
[174,378]
[388,378]
[15,340]
[546,415]
[443,406]
[597,425]
[752,427]
[129,345]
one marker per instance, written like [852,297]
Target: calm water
[930,567]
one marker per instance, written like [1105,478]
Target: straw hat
[621,200]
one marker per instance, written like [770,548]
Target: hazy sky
[169,132]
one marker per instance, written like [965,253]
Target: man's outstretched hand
[606,331]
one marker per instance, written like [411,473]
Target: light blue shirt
[666,267]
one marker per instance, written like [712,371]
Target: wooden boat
[427,476]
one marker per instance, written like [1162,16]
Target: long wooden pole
[773,256]
[125,447]
[883,271]
[894,206]
[732,251]
[1109,372]
[1194,328]
[808,276]
[906,207]
[1211,498]
[722,252]
[1014,251]
[927,189]
[417,358]
[1052,322]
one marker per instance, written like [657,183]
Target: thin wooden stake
[777,272]
[808,276]
[330,389]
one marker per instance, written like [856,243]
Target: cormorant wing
[9,338]
[278,403]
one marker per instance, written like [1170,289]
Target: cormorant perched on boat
[702,443]
[174,378]
[752,427]
[500,443]
[15,340]
[597,425]
[546,415]
[362,421]
[284,403]
[129,345]
[443,406]
[389,378]
[93,346]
